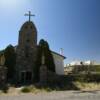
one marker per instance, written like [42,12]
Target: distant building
[88,62]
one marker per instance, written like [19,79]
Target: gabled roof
[58,54]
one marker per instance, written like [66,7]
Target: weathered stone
[26,52]
[3,75]
[43,75]
[3,71]
[2,60]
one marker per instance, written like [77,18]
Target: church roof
[58,54]
[28,25]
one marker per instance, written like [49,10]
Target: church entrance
[26,77]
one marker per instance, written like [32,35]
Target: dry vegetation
[25,89]
[87,86]
[84,86]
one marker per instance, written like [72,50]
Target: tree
[49,61]
[10,61]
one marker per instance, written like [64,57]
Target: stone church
[26,51]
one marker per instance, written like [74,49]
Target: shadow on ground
[63,83]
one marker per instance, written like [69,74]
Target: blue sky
[73,25]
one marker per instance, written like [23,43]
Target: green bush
[25,90]
[10,61]
[43,48]
[5,89]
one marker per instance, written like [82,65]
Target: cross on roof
[30,15]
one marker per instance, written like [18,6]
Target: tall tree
[10,61]
[49,61]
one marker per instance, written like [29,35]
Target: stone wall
[26,50]
[3,75]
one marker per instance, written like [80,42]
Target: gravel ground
[62,95]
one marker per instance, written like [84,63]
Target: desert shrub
[25,90]
[48,89]
[95,68]
[86,77]
[79,69]
[86,69]
[5,89]
[94,77]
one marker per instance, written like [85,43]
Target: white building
[75,63]
[59,63]
[88,62]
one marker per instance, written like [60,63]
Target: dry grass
[87,86]
[34,90]
[25,89]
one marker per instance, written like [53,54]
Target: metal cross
[30,15]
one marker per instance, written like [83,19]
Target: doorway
[26,77]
